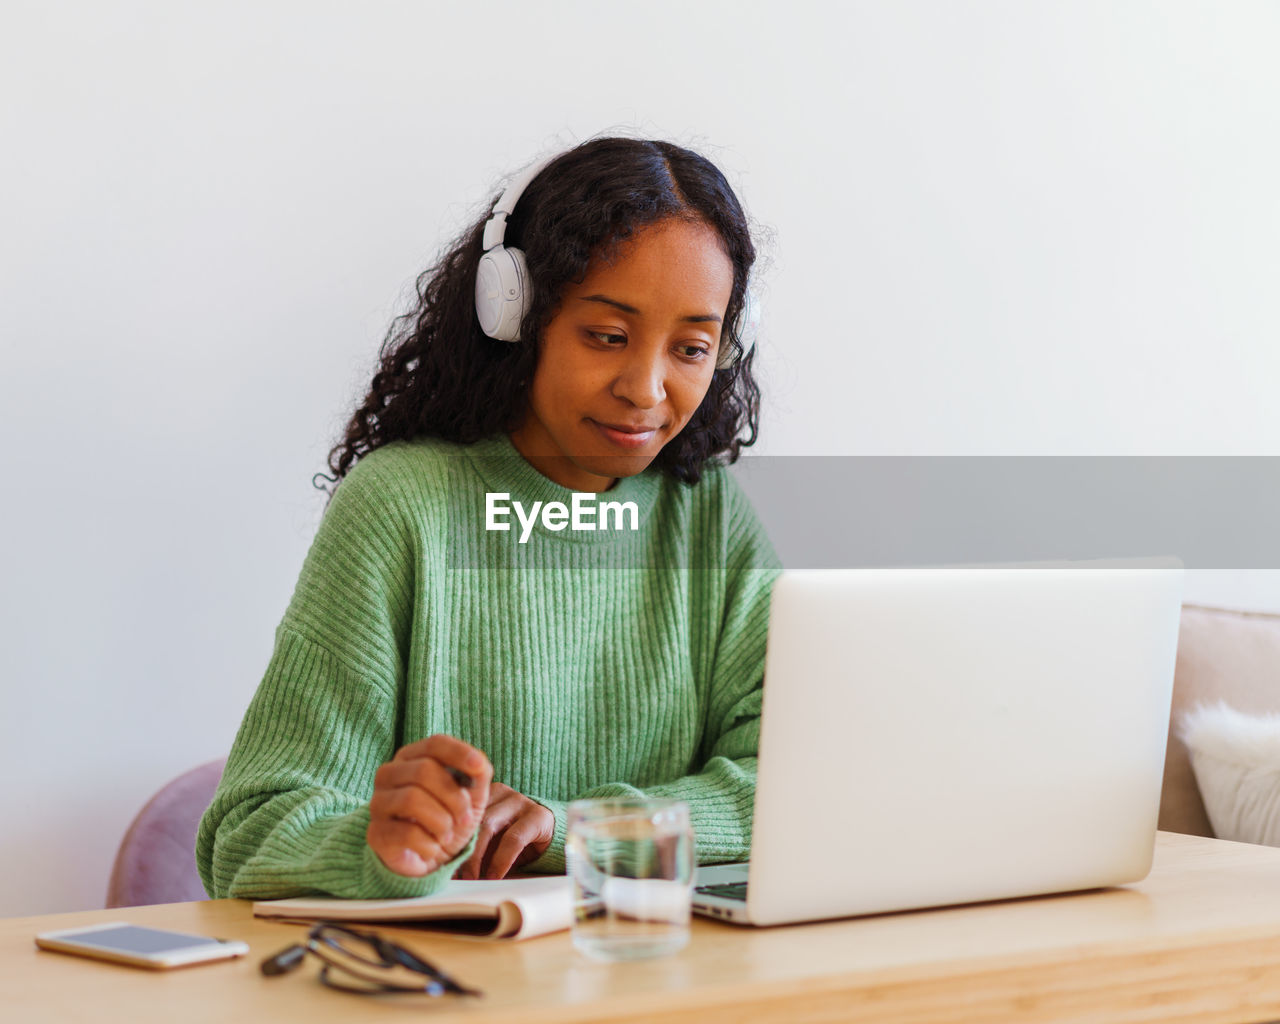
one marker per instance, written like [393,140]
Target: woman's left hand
[514,831]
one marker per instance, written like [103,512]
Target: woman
[441,687]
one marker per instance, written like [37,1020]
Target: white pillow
[1236,760]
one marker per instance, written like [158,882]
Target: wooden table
[1198,940]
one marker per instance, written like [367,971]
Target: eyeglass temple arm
[284,961]
[391,951]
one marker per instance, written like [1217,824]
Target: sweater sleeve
[291,812]
[721,794]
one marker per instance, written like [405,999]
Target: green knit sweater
[605,663]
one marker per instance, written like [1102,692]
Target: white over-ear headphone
[504,296]
[502,293]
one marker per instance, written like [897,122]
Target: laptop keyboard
[728,891]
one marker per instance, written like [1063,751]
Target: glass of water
[631,861]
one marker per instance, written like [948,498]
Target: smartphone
[141,947]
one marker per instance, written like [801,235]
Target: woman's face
[628,356]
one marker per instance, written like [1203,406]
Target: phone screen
[133,939]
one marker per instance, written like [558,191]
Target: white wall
[999,228]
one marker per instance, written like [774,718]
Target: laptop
[950,735]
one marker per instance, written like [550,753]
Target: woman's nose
[640,379]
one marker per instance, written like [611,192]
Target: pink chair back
[156,862]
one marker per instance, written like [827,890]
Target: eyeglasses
[364,963]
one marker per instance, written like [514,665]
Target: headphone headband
[496,227]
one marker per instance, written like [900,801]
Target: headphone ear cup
[502,293]
[746,327]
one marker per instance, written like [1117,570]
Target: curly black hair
[441,376]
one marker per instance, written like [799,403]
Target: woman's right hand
[420,816]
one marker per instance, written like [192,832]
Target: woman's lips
[626,437]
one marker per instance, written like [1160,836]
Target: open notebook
[516,908]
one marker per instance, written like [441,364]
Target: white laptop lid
[939,736]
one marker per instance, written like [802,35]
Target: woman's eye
[610,340]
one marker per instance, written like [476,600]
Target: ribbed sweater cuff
[720,800]
[552,862]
